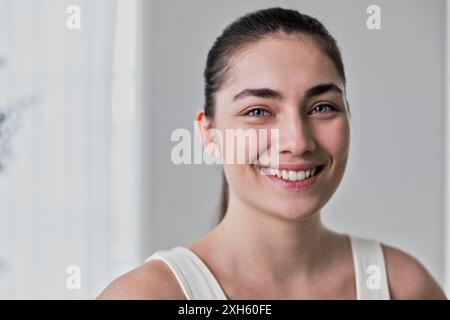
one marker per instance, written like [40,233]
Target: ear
[208,134]
[203,125]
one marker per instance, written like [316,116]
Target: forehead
[290,64]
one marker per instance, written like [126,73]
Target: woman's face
[312,121]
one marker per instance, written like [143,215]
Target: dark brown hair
[250,29]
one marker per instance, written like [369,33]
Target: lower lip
[297,185]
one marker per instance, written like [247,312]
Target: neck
[269,246]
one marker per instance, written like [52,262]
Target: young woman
[277,69]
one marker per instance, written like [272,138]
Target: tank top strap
[193,276]
[370,269]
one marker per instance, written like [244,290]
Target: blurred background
[92,90]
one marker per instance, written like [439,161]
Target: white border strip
[447,156]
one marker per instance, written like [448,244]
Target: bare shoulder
[408,278]
[151,281]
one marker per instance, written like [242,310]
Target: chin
[295,212]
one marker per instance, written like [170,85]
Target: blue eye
[257,112]
[322,108]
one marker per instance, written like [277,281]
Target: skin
[271,243]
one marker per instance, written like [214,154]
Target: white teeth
[293,175]
[265,170]
[301,175]
[289,175]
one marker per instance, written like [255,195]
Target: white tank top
[198,282]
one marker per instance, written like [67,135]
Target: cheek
[241,143]
[335,139]
[242,146]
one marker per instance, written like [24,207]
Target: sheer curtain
[447,169]
[69,189]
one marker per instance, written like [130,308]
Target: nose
[295,136]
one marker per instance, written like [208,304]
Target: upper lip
[294,166]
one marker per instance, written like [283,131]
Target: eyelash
[252,110]
[326,105]
[264,110]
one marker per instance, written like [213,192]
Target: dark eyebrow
[321,89]
[260,93]
[273,94]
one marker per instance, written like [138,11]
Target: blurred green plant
[2,123]
[10,114]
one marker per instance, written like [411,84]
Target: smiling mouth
[291,176]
